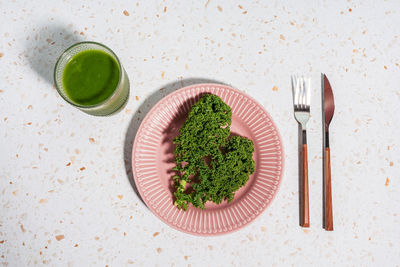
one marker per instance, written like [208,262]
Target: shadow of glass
[49,42]
[142,112]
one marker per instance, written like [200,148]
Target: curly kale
[211,165]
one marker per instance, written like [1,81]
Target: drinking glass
[115,102]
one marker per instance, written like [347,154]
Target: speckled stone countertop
[66,197]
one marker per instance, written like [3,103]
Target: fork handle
[304,209]
[328,217]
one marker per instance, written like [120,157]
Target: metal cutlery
[301,100]
[327,114]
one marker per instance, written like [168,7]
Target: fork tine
[297,92]
[308,93]
[293,80]
[300,90]
[303,93]
[298,95]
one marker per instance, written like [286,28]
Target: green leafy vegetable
[211,165]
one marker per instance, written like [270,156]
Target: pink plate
[153,159]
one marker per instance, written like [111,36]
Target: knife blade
[327,110]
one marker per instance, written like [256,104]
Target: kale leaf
[211,164]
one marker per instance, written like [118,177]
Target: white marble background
[65,196]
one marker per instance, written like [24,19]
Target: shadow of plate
[142,112]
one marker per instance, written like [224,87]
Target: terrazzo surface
[66,188]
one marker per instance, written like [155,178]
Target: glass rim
[102,102]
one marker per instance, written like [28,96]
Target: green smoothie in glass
[89,76]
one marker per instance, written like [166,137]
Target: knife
[327,114]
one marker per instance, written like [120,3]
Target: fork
[301,100]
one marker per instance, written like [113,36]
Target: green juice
[90,77]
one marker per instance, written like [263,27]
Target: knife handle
[328,192]
[305,213]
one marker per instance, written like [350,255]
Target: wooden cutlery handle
[305,214]
[328,192]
